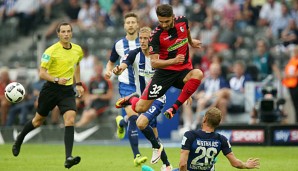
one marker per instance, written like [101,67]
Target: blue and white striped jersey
[119,51]
[143,70]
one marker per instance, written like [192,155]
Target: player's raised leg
[191,83]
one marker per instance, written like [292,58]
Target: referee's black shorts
[52,95]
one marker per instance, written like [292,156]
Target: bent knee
[141,108]
[197,74]
[141,126]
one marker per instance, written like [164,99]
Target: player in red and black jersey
[169,53]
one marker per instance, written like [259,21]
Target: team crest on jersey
[181,29]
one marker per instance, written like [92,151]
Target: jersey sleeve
[187,141]
[130,57]
[81,54]
[154,42]
[46,59]
[182,19]
[225,145]
[114,55]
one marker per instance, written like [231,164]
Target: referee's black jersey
[203,148]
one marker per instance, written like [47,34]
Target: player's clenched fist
[117,70]
[108,75]
[179,59]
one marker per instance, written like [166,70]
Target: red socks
[188,89]
[133,101]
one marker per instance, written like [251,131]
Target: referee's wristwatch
[56,80]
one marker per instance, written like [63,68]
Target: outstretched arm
[183,160]
[109,68]
[251,163]
[195,43]
[119,68]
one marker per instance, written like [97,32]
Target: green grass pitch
[50,157]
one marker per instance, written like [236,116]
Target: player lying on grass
[200,147]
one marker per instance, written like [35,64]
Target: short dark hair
[131,14]
[63,24]
[164,10]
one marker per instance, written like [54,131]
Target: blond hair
[213,117]
[145,29]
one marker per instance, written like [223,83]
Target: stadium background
[21,51]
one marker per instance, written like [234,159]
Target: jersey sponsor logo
[45,58]
[146,73]
[79,137]
[29,136]
[179,43]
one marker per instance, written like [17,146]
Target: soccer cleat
[166,168]
[16,149]
[156,153]
[139,160]
[70,161]
[169,113]
[124,101]
[120,130]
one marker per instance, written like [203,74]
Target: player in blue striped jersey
[200,147]
[139,58]
[127,83]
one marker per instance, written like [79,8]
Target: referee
[59,67]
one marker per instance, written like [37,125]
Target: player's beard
[169,27]
[131,33]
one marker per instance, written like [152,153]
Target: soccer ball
[14,92]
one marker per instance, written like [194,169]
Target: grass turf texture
[119,158]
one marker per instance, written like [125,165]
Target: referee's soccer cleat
[169,113]
[139,160]
[16,149]
[71,161]
[120,130]
[124,101]
[156,153]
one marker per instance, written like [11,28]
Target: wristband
[79,84]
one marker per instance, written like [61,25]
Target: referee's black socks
[27,128]
[68,140]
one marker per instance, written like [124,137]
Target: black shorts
[52,95]
[162,81]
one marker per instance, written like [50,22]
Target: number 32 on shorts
[156,89]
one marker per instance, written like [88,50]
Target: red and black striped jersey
[169,43]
